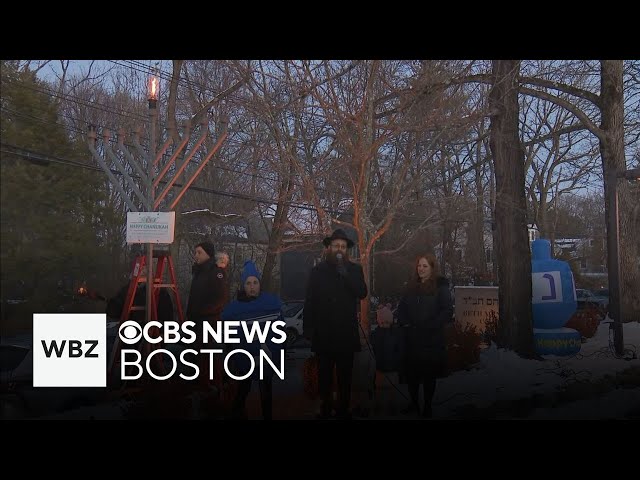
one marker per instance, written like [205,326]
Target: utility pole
[613,252]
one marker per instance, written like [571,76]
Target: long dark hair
[428,287]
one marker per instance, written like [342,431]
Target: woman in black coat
[424,311]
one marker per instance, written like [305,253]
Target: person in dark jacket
[334,289]
[208,295]
[424,311]
[209,292]
[254,305]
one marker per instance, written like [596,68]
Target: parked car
[293,315]
[19,399]
[587,299]
[291,307]
[603,296]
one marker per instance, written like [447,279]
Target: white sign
[476,305]
[546,287]
[150,227]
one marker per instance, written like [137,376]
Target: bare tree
[275,101]
[514,257]
[608,106]
[378,113]
[201,105]
[560,158]
[104,98]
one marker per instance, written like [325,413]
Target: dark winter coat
[424,317]
[330,317]
[209,292]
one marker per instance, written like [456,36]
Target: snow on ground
[502,375]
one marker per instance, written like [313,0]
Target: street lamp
[613,257]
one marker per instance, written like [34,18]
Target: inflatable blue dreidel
[552,287]
[557,341]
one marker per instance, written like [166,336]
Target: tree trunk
[478,257]
[514,256]
[447,228]
[364,304]
[541,218]
[276,235]
[494,232]
[613,156]
[362,221]
[277,230]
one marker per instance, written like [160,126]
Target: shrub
[491,328]
[585,321]
[463,347]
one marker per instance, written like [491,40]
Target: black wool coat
[209,292]
[424,317]
[330,317]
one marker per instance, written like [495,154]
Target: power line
[80,101]
[145,69]
[82,132]
[40,158]
[44,121]
[167,76]
[71,97]
[213,165]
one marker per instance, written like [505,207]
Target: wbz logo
[74,350]
[69,350]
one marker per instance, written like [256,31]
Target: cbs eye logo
[130,332]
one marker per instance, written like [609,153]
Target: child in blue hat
[250,305]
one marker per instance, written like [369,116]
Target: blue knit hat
[249,270]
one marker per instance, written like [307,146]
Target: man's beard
[331,257]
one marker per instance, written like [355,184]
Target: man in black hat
[331,320]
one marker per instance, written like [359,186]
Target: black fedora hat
[338,235]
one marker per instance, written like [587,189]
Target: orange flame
[153,88]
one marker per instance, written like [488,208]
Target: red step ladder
[164,260]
